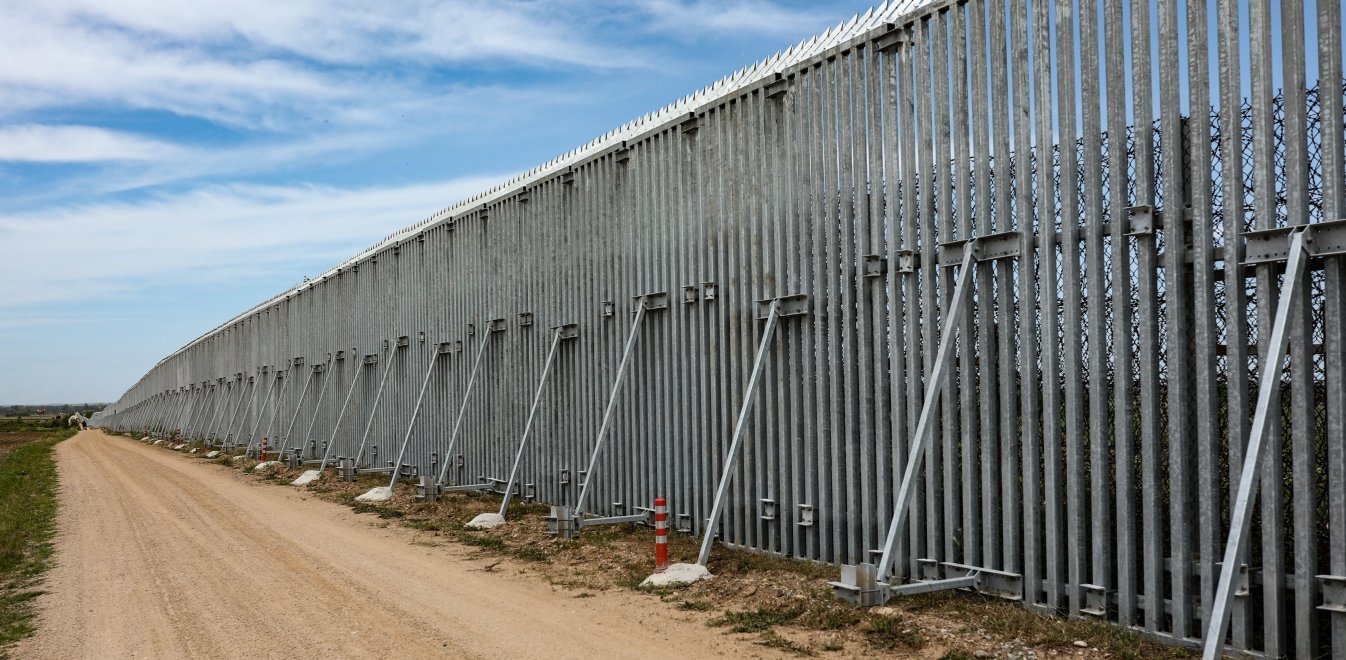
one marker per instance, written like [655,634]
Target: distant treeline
[50,409]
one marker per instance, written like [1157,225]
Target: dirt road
[158,556]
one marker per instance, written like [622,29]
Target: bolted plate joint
[1323,239]
[984,248]
[567,330]
[875,265]
[795,305]
[653,301]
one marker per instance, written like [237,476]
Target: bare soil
[172,554]
[158,556]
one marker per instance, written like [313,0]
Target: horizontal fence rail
[1086,332]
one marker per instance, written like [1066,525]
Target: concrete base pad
[265,465]
[145,439]
[158,442]
[678,574]
[237,458]
[194,450]
[308,477]
[380,494]
[486,521]
[213,454]
[178,447]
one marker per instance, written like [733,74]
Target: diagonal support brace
[559,333]
[493,327]
[924,432]
[1241,517]
[774,308]
[649,301]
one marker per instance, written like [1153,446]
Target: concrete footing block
[308,477]
[213,454]
[678,574]
[265,465]
[380,494]
[486,521]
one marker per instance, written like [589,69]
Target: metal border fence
[918,333]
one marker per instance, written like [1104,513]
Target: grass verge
[28,484]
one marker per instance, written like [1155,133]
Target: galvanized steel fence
[1104,357]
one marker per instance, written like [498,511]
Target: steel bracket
[1002,584]
[340,355]
[1323,239]
[455,346]
[1243,579]
[778,87]
[875,265]
[403,341]
[708,290]
[372,358]
[796,305]
[690,294]
[983,248]
[525,319]
[1095,600]
[859,586]
[567,330]
[420,337]
[495,325]
[317,368]
[682,522]
[907,261]
[805,515]
[1334,593]
[768,509]
[298,362]
[691,124]
[561,522]
[608,309]
[1145,219]
[890,40]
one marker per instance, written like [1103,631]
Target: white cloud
[37,143]
[262,64]
[103,249]
[734,16]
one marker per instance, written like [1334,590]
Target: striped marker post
[264,448]
[660,535]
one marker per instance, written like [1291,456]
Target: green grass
[28,483]
[758,620]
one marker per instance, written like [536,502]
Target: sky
[166,166]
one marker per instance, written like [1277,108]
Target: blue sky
[164,166]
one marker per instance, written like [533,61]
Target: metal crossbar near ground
[1049,369]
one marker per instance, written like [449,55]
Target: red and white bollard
[660,535]
[264,448]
